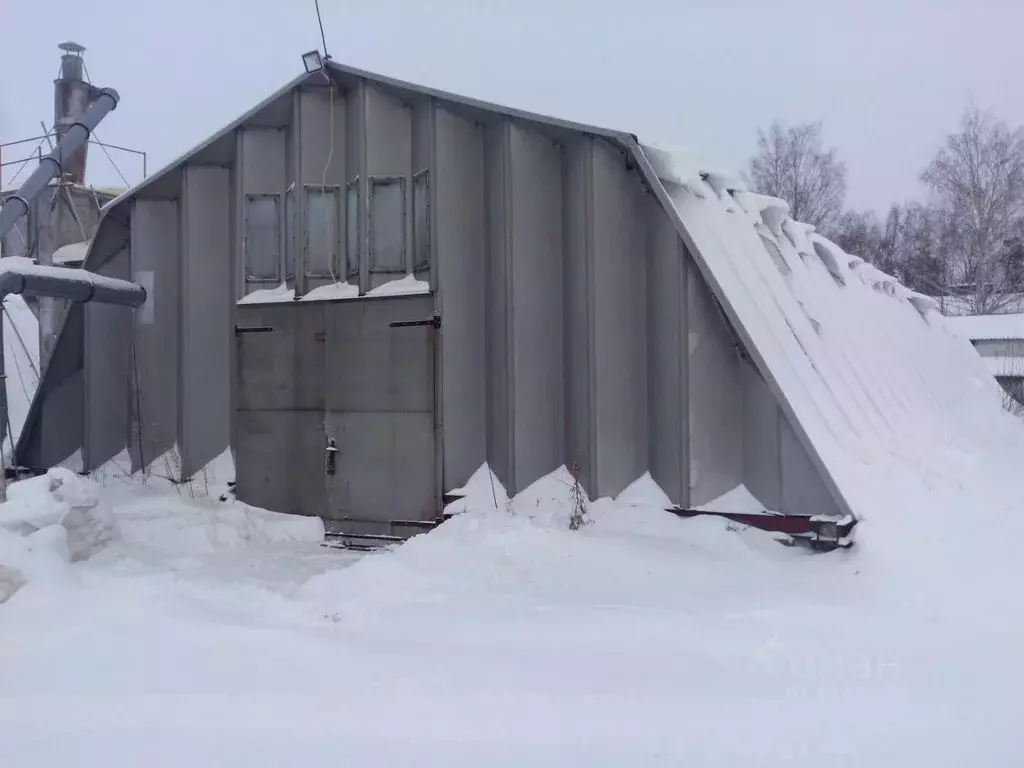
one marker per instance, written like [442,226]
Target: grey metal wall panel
[667,356]
[262,478]
[281,461]
[266,360]
[496,301]
[260,169]
[355,132]
[461,245]
[60,427]
[388,134]
[619,286]
[578,171]
[323,136]
[389,153]
[803,491]
[422,134]
[537,307]
[155,264]
[280,443]
[372,367]
[355,166]
[307,463]
[108,332]
[762,463]
[264,160]
[323,148]
[309,358]
[62,432]
[716,397]
[207,303]
[424,158]
[282,369]
[384,471]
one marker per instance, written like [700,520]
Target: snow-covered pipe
[70,284]
[17,205]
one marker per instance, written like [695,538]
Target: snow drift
[60,518]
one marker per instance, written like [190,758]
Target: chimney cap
[71,47]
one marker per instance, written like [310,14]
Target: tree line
[962,242]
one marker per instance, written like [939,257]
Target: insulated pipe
[77,135]
[70,284]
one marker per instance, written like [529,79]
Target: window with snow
[352,229]
[323,209]
[262,238]
[776,254]
[421,220]
[387,225]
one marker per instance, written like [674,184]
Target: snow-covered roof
[988,327]
[867,372]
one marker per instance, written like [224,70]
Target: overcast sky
[888,78]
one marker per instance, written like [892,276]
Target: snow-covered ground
[207,633]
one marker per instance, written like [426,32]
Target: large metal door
[379,409]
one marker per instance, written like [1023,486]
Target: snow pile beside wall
[195,517]
[174,526]
[526,547]
[901,412]
[47,523]
[60,518]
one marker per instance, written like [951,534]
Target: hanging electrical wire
[320,21]
[323,181]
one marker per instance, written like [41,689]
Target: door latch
[331,452]
[434,321]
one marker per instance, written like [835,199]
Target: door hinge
[434,321]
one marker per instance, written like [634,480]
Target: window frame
[247,263]
[419,266]
[353,231]
[334,261]
[290,235]
[383,181]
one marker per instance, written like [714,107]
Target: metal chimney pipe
[17,205]
[71,97]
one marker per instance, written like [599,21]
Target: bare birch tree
[791,164]
[977,180]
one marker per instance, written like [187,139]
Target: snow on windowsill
[405,286]
[280,293]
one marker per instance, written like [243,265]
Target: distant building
[999,339]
